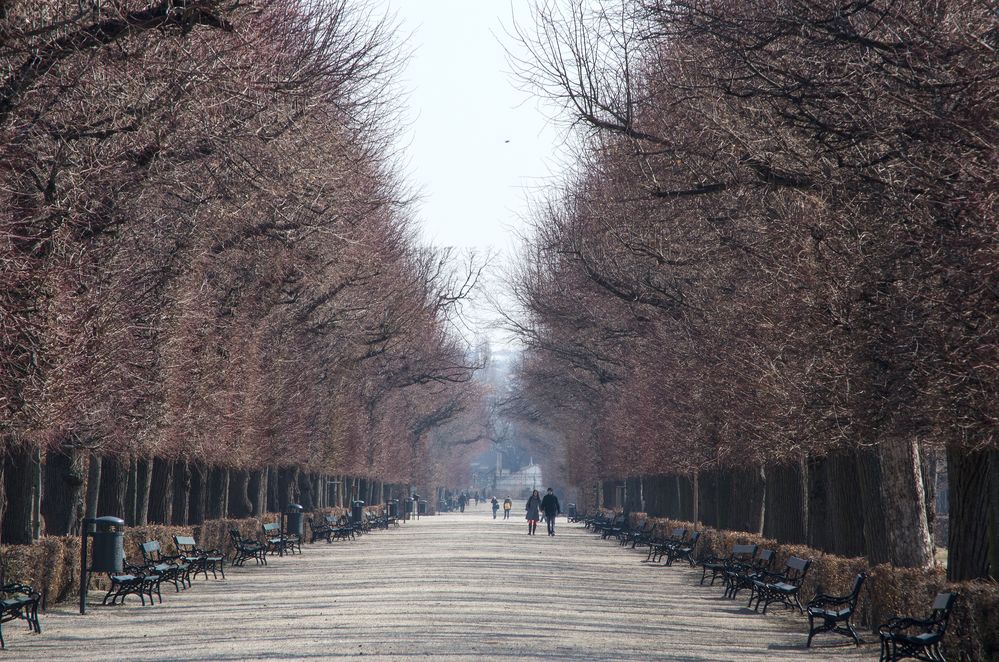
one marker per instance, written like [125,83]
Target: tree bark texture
[785,499]
[143,487]
[129,516]
[93,484]
[256,490]
[114,483]
[818,512]
[199,493]
[868,483]
[217,504]
[846,526]
[909,543]
[62,503]
[968,534]
[239,499]
[161,492]
[994,513]
[18,485]
[305,491]
[273,488]
[181,492]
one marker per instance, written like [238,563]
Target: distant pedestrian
[507,507]
[461,502]
[533,512]
[550,506]
[495,503]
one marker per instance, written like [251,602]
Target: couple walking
[536,505]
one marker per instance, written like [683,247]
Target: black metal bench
[246,548]
[19,602]
[717,565]
[660,548]
[783,587]
[170,568]
[199,560]
[832,613]
[744,575]
[918,638]
[278,542]
[644,526]
[684,550]
[134,580]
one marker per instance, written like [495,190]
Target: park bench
[277,541]
[642,526]
[602,524]
[319,529]
[717,565]
[342,527]
[684,550]
[744,575]
[645,537]
[134,580]
[919,638]
[199,560]
[169,568]
[246,548]
[660,548]
[19,602]
[833,612]
[617,528]
[783,587]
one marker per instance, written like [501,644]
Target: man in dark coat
[550,505]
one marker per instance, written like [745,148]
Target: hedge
[52,564]
[973,633]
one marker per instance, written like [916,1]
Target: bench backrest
[678,533]
[150,550]
[940,611]
[858,583]
[184,543]
[693,539]
[766,559]
[745,552]
[795,570]
[641,524]
[272,527]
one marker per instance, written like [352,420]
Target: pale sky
[477,146]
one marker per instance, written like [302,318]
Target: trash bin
[390,509]
[357,511]
[109,545]
[423,507]
[571,511]
[293,519]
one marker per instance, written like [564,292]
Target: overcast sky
[477,146]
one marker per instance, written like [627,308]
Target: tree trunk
[93,484]
[846,533]
[818,512]
[257,491]
[143,487]
[785,500]
[288,479]
[902,493]
[968,535]
[239,500]
[305,490]
[19,481]
[199,493]
[114,483]
[161,492]
[181,493]
[869,492]
[129,516]
[65,476]
[218,493]
[273,490]
[994,513]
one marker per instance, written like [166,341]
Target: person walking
[495,503]
[507,507]
[533,512]
[461,502]
[551,509]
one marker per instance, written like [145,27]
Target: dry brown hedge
[973,634]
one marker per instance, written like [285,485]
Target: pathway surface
[456,586]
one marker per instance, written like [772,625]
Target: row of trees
[207,263]
[776,269]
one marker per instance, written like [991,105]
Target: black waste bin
[357,511]
[293,519]
[423,507]
[109,545]
[571,511]
[390,509]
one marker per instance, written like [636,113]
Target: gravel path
[461,586]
